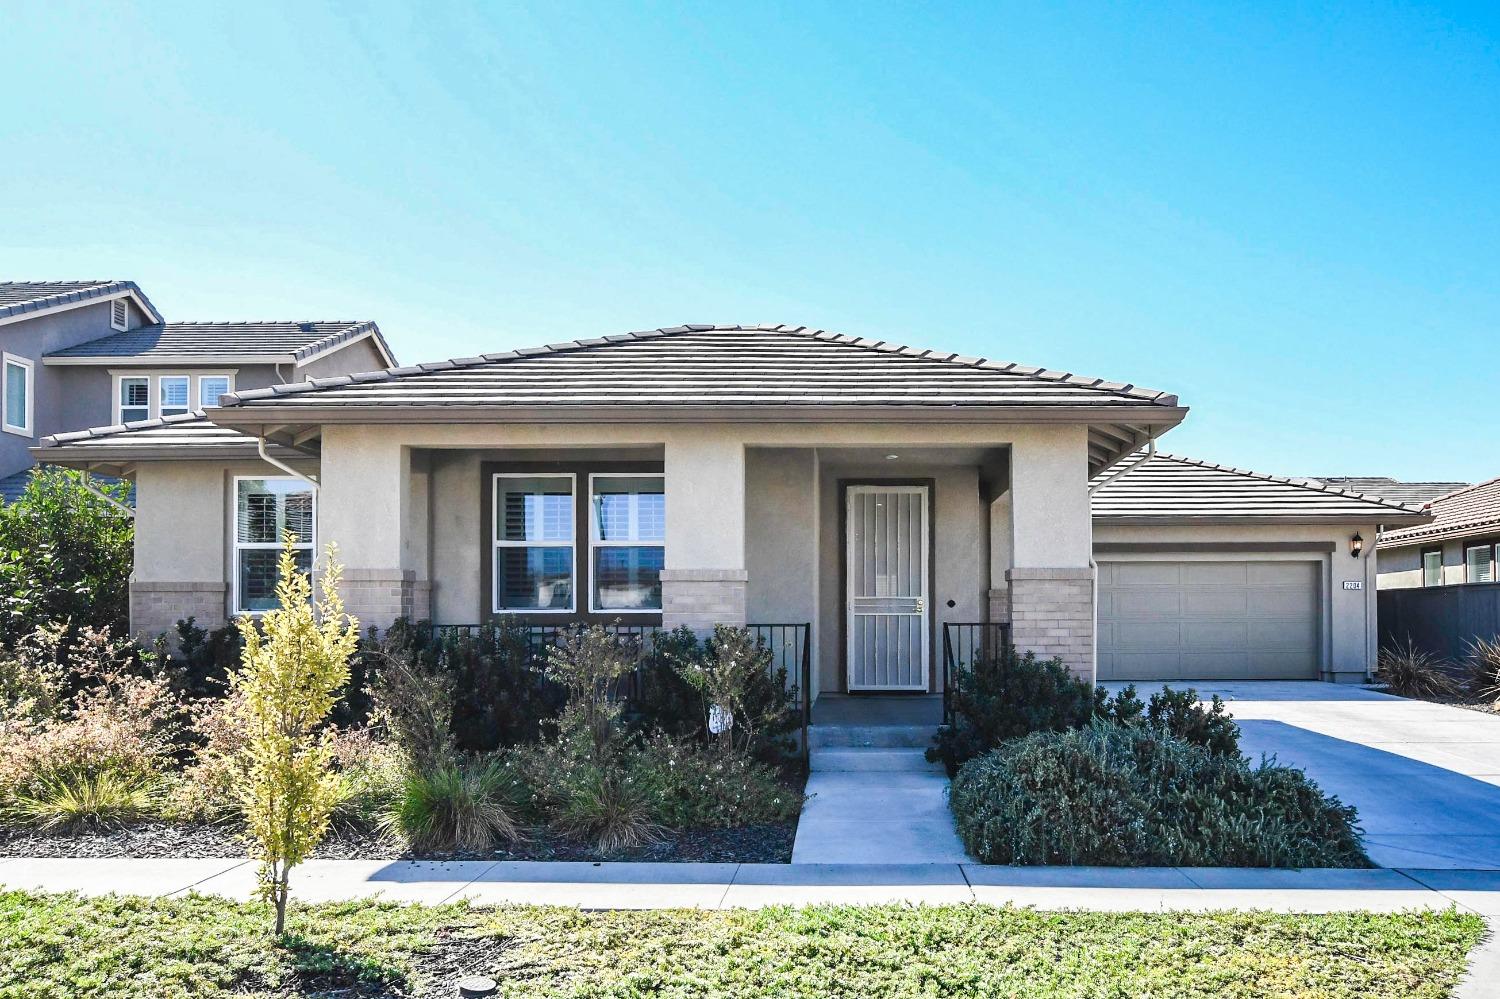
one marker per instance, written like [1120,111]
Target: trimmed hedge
[1113,796]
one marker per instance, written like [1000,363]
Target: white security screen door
[887,577]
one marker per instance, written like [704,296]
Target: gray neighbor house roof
[287,342]
[1467,512]
[179,438]
[19,299]
[1176,489]
[1388,488]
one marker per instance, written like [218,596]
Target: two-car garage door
[1219,620]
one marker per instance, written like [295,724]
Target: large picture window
[265,510]
[534,570]
[627,540]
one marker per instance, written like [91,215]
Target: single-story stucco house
[729,474]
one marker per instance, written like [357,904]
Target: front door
[886,569]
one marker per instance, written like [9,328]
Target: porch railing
[965,644]
[790,646]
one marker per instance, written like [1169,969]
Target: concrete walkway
[719,886]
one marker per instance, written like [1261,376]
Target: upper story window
[1479,563]
[174,390]
[119,314]
[533,544]
[17,392]
[1432,567]
[150,394]
[265,510]
[627,541]
[210,387]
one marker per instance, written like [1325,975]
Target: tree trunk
[278,894]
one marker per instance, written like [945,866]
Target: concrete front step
[872,760]
[871,736]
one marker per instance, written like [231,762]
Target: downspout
[260,446]
[89,485]
[1114,476]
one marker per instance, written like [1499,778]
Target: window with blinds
[627,542]
[534,570]
[266,510]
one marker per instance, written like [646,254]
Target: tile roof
[20,297]
[295,340]
[1388,488]
[186,436]
[1464,512]
[711,366]
[1168,486]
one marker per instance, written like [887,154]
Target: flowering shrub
[688,786]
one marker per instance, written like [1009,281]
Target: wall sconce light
[1356,545]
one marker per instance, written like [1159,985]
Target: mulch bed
[760,844]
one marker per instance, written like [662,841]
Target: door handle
[921,604]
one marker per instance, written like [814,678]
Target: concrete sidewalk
[717,886]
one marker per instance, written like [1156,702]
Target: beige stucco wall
[782,536]
[1349,621]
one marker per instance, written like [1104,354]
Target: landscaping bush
[73,799]
[689,786]
[1178,713]
[458,805]
[199,660]
[1118,796]
[1409,671]
[1483,664]
[65,557]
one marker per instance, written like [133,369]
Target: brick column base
[702,598]
[998,604]
[377,597]
[1052,614]
[156,607]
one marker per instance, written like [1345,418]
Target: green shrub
[605,806]
[1179,713]
[1117,796]
[458,805]
[69,800]
[692,787]
[65,556]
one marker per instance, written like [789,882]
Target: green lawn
[60,945]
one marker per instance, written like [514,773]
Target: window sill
[19,432]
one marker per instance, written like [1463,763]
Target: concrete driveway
[1425,777]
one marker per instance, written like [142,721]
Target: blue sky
[1289,216]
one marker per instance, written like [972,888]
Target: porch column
[364,504]
[1051,579]
[703,578]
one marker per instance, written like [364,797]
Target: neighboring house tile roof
[17,298]
[12,486]
[711,366]
[1388,488]
[1169,487]
[178,437]
[1465,512]
[285,341]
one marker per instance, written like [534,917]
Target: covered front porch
[874,537]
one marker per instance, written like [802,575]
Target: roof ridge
[1287,480]
[1464,489]
[89,289]
[592,343]
[262,322]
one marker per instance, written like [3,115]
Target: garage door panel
[1213,573]
[1220,601]
[1227,619]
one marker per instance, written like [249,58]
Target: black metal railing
[790,646]
[965,644]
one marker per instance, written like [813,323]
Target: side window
[135,398]
[1432,567]
[265,509]
[173,390]
[1479,564]
[17,395]
[210,387]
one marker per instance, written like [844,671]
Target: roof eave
[1445,533]
[1251,520]
[160,360]
[134,294]
[239,415]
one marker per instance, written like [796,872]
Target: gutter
[1114,476]
[260,447]
[88,484]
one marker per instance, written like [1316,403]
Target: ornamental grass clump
[1483,664]
[1110,795]
[1409,671]
[295,663]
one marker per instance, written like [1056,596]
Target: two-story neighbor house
[80,354]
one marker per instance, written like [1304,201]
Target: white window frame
[124,307]
[26,365]
[153,387]
[161,385]
[1439,553]
[120,406]
[1468,566]
[594,540]
[497,543]
[198,380]
[236,545]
